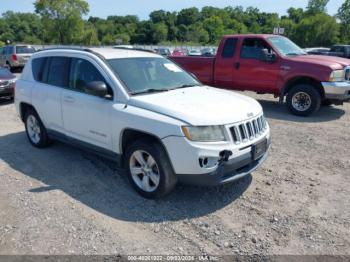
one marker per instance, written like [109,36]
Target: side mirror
[96,88]
[269,58]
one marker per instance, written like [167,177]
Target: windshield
[285,46]
[24,50]
[152,74]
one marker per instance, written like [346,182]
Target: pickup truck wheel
[149,169]
[36,132]
[303,100]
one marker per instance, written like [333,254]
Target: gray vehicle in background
[15,56]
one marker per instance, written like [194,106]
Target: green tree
[317,6]
[159,33]
[317,30]
[62,19]
[188,16]
[344,16]
[215,28]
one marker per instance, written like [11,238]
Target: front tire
[36,132]
[303,100]
[149,169]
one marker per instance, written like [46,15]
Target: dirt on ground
[62,200]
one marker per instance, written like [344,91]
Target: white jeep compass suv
[145,112]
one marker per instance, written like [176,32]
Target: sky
[142,8]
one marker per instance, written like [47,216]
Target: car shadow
[100,185]
[276,110]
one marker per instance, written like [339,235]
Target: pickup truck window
[151,74]
[285,46]
[229,48]
[254,48]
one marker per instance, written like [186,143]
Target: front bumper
[185,157]
[227,172]
[337,90]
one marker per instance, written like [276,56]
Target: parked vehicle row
[140,108]
[274,64]
[15,56]
[336,50]
[185,52]
[7,83]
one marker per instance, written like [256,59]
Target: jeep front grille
[249,130]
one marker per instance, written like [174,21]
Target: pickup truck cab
[142,110]
[274,64]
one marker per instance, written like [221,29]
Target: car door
[87,117]
[251,71]
[225,65]
[50,75]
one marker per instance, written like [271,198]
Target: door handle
[68,99]
[285,68]
[237,65]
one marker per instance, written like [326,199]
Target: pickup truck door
[86,117]
[252,72]
[225,64]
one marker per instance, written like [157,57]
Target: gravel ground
[65,201]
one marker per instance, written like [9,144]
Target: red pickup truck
[274,64]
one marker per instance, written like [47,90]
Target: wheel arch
[23,108]
[301,80]
[129,135]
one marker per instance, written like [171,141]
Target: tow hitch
[224,156]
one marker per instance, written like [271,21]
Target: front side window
[83,72]
[254,48]
[151,74]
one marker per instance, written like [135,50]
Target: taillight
[14,57]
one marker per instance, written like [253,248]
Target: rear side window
[229,48]
[25,50]
[38,68]
[57,71]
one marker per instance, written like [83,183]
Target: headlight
[204,133]
[337,75]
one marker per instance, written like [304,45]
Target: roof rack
[134,49]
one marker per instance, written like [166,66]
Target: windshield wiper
[149,90]
[296,54]
[184,86]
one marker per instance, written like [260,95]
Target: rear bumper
[227,172]
[337,90]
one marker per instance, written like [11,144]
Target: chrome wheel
[33,129]
[144,171]
[301,101]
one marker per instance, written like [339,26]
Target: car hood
[200,106]
[329,61]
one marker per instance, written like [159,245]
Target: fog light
[208,162]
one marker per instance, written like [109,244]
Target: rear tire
[36,131]
[303,100]
[149,169]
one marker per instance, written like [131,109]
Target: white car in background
[141,109]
